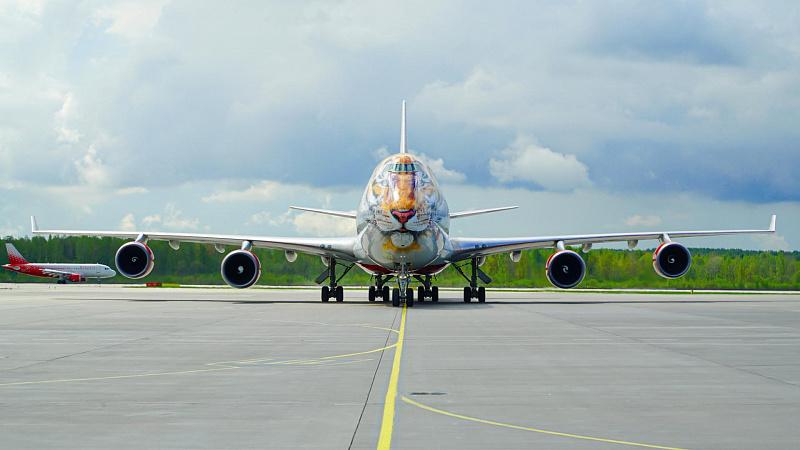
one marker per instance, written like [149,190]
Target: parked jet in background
[72,273]
[402,231]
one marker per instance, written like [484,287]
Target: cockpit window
[403,167]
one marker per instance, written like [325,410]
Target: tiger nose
[403,216]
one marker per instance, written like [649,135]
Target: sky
[216,116]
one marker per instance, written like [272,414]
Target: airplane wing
[345,214]
[475,212]
[58,273]
[465,248]
[341,248]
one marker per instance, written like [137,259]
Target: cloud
[441,172]
[91,170]
[323,225]
[131,19]
[262,191]
[526,161]
[637,220]
[128,223]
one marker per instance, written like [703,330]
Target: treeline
[199,264]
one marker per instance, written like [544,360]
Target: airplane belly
[391,249]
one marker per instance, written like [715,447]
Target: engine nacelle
[672,260]
[135,260]
[75,278]
[565,269]
[241,269]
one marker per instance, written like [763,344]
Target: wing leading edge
[341,248]
[464,248]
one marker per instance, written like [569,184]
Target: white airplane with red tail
[72,273]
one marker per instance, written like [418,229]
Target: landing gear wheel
[410,297]
[371,293]
[421,293]
[385,295]
[467,294]
[326,293]
[339,294]
[481,294]
[435,294]
[395,297]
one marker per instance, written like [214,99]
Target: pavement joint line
[387,423]
[535,430]
[221,365]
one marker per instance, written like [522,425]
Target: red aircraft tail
[14,256]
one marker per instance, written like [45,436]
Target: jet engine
[241,269]
[565,269]
[134,260]
[672,260]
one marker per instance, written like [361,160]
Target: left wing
[341,248]
[59,273]
[464,248]
[345,214]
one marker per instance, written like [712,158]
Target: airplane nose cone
[403,216]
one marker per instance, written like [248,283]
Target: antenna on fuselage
[403,129]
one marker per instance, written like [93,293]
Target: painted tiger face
[399,196]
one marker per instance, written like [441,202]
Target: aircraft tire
[371,293]
[421,293]
[396,297]
[386,294]
[481,294]
[339,294]
[326,293]
[435,294]
[467,294]
[410,297]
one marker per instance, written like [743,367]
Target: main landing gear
[380,289]
[473,291]
[426,290]
[333,289]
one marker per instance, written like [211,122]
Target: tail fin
[403,129]
[14,256]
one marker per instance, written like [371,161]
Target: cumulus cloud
[637,220]
[441,172]
[262,191]
[526,161]
[128,223]
[323,225]
[172,219]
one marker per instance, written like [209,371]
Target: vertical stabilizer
[403,129]
[14,256]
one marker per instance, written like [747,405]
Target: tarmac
[86,366]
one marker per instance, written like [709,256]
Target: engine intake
[672,260]
[134,260]
[565,269]
[241,269]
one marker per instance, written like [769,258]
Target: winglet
[34,225]
[403,129]
[772,223]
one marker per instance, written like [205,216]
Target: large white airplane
[402,232]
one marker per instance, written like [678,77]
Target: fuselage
[69,272]
[403,220]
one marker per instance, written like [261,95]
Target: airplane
[402,232]
[72,273]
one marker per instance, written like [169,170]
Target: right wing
[464,248]
[341,248]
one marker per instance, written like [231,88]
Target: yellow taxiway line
[535,430]
[387,424]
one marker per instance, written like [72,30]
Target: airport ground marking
[387,424]
[223,365]
[535,430]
